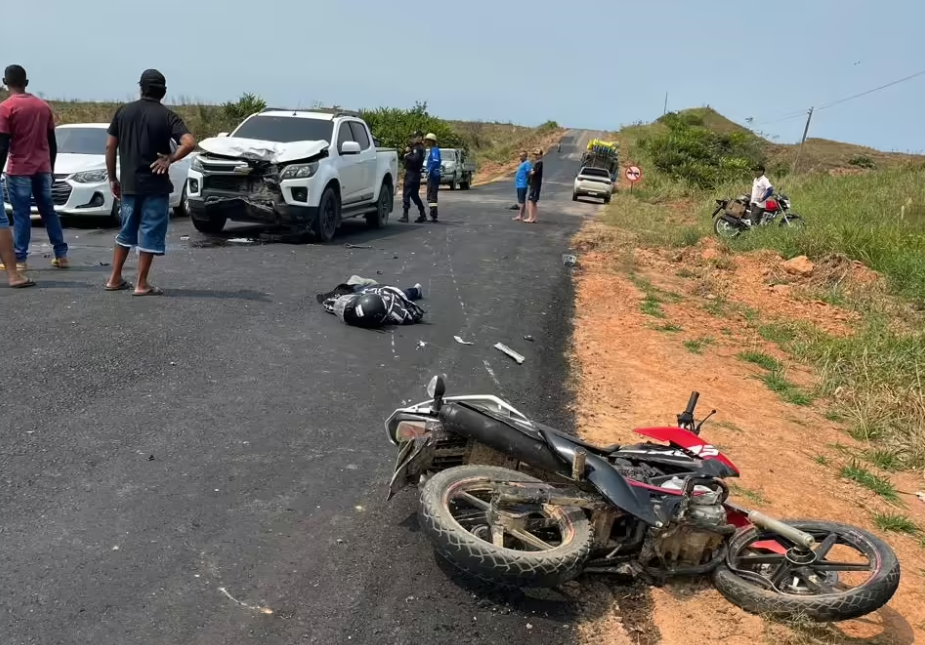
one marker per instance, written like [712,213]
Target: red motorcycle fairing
[689,441]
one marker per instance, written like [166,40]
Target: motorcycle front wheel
[819,585]
[724,229]
[457,515]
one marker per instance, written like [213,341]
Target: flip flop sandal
[23,285]
[60,263]
[153,291]
[122,286]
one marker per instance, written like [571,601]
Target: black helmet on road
[366,311]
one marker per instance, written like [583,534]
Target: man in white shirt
[761,190]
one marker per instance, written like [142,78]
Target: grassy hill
[819,155]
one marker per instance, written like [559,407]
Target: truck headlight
[195,164]
[90,176]
[300,171]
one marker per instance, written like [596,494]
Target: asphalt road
[174,469]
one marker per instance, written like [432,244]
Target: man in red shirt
[27,135]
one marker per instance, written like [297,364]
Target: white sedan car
[81,188]
[593,182]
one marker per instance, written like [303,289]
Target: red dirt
[629,374]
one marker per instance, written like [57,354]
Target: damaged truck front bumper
[256,198]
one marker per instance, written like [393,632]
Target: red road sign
[633,174]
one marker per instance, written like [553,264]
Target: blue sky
[591,63]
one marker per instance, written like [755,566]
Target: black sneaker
[420,219]
[403,218]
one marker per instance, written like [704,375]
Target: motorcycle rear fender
[689,441]
[610,483]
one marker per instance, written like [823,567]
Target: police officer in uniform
[414,162]
[433,165]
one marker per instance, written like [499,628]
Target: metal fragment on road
[357,246]
[461,341]
[421,344]
[510,352]
[569,260]
[240,240]
[262,610]
[529,337]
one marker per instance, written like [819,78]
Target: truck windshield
[81,141]
[285,129]
[594,172]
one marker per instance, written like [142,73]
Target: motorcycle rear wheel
[808,591]
[724,229]
[550,563]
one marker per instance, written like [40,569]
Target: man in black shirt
[536,183]
[414,162]
[141,133]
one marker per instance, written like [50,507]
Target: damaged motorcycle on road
[518,503]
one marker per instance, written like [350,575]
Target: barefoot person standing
[141,133]
[536,184]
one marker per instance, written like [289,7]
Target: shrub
[686,150]
[393,126]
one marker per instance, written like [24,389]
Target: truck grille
[225,182]
[60,193]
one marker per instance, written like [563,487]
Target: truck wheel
[454,183]
[328,216]
[383,207]
[115,216]
[214,225]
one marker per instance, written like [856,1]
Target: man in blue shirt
[521,182]
[433,166]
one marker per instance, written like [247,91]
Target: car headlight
[195,164]
[300,171]
[90,176]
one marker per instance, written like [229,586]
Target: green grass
[697,345]
[879,485]
[747,493]
[729,426]
[668,327]
[778,333]
[895,523]
[885,459]
[762,360]
[822,460]
[718,307]
[777,383]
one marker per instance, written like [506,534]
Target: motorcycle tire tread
[823,609]
[491,564]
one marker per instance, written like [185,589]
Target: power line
[802,113]
[876,89]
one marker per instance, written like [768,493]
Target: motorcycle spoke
[827,565]
[474,501]
[763,558]
[497,535]
[530,540]
[826,545]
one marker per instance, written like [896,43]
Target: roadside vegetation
[837,336]
[868,213]
[494,146]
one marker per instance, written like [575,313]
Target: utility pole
[809,117]
[665,110]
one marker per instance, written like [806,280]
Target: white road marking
[491,373]
[262,610]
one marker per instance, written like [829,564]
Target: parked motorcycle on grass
[734,216]
[518,503]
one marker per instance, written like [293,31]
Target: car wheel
[328,216]
[383,207]
[115,216]
[574,197]
[182,209]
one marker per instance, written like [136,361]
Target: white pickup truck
[305,170]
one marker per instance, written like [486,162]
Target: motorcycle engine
[690,541]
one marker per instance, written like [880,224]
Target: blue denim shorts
[144,222]
[521,195]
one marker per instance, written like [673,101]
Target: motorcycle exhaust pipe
[502,438]
[795,535]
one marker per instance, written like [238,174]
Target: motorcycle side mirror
[437,387]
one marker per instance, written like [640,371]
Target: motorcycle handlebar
[692,403]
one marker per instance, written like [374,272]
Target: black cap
[152,79]
[417,133]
